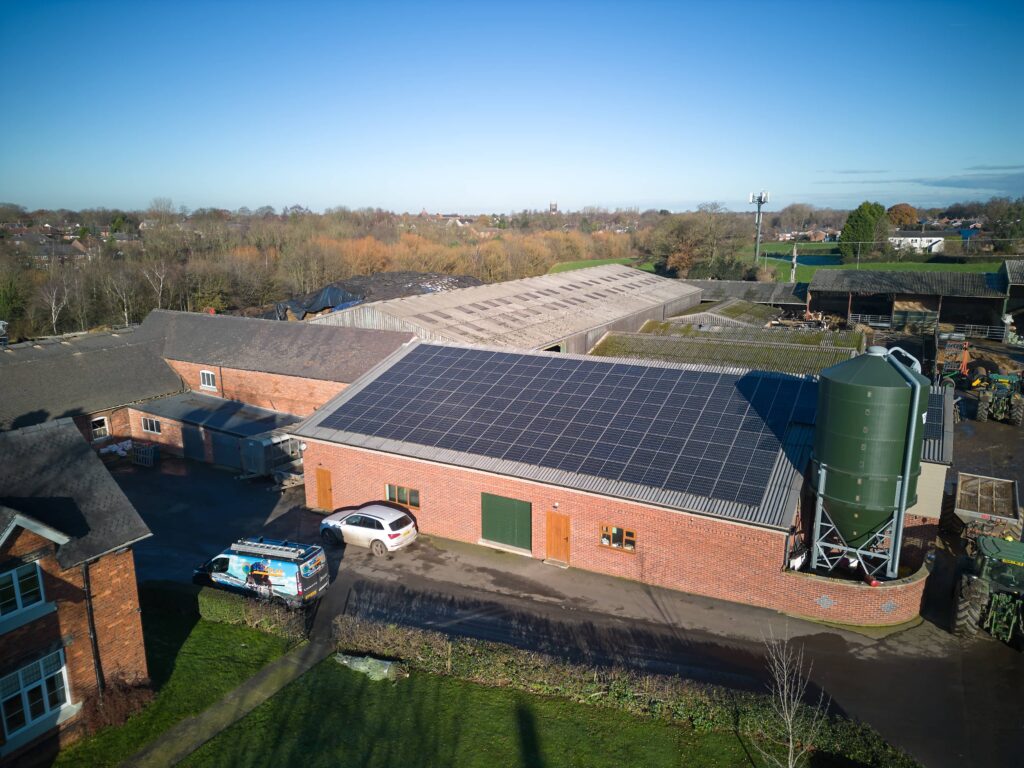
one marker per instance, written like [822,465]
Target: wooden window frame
[152,423]
[105,427]
[606,531]
[399,491]
[202,383]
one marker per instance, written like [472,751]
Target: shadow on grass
[169,612]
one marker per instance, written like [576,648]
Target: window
[408,497]
[618,538]
[99,428]
[207,380]
[20,588]
[400,523]
[33,692]
[150,425]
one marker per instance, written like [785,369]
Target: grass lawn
[804,272]
[565,266]
[193,663]
[785,250]
[335,717]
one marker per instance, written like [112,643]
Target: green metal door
[507,521]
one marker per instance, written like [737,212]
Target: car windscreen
[400,523]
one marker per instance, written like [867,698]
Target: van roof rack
[272,547]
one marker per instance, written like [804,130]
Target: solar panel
[706,433]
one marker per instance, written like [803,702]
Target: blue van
[294,574]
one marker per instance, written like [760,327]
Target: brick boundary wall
[276,392]
[687,552]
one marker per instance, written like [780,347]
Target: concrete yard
[942,701]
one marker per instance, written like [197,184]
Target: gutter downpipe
[93,640]
[901,508]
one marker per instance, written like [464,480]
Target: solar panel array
[706,433]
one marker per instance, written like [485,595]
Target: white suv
[382,529]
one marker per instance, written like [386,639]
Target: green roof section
[738,311]
[717,350]
[807,337]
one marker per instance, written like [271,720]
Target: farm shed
[564,312]
[792,296]
[683,476]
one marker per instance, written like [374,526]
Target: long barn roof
[531,313]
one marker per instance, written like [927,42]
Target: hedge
[230,608]
[700,706]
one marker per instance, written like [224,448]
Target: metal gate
[192,443]
[227,451]
[506,521]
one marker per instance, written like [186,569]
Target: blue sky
[477,107]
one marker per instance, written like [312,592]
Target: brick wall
[116,614]
[170,439]
[691,553]
[117,426]
[288,394]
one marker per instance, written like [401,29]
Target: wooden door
[324,490]
[558,537]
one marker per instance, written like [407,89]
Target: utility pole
[759,199]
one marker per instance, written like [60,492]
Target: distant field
[804,272]
[786,249]
[565,266]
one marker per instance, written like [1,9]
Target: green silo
[861,435]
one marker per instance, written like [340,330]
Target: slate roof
[53,378]
[863,281]
[51,475]
[217,413]
[323,352]
[758,293]
[531,313]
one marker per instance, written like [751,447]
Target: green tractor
[990,595]
[1000,399]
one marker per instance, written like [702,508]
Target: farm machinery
[1000,398]
[991,591]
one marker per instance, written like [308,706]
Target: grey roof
[864,281]
[1014,269]
[775,509]
[805,337]
[759,293]
[228,416]
[938,433]
[51,475]
[310,351]
[713,349]
[531,313]
[52,378]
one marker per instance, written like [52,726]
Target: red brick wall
[117,426]
[692,553]
[169,439]
[116,613]
[289,394]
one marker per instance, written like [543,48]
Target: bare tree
[121,284]
[156,273]
[796,724]
[54,293]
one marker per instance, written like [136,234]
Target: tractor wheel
[972,599]
[983,404]
[1017,411]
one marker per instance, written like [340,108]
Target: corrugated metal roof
[712,349]
[531,313]
[758,293]
[1014,271]
[732,312]
[228,416]
[772,511]
[971,284]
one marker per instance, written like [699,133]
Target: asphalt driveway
[947,704]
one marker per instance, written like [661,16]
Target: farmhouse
[563,312]
[69,608]
[688,477]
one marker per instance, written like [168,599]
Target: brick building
[687,477]
[69,607]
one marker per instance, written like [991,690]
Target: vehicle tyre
[330,537]
[378,548]
[972,600]
[982,409]
[1017,411]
